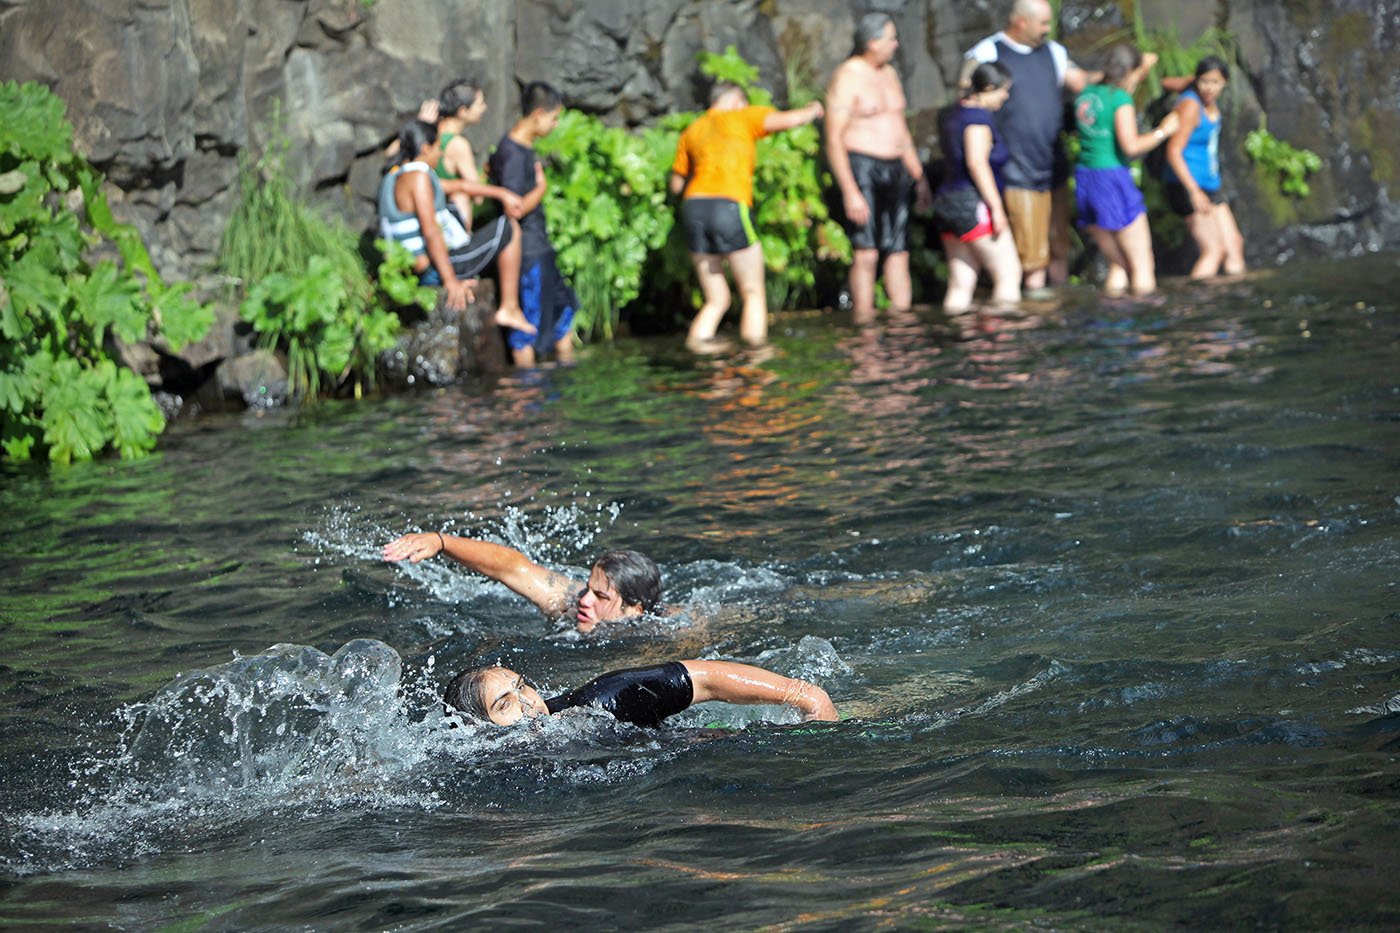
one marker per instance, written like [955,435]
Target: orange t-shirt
[717,152]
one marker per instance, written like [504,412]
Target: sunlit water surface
[1107,600]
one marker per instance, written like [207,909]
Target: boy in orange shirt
[714,168]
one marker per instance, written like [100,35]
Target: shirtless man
[873,158]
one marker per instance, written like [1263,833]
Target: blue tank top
[1202,152]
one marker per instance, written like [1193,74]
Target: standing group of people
[427,200]
[1002,208]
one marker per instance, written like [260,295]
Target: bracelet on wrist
[442,543]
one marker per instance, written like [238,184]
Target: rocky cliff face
[165,94]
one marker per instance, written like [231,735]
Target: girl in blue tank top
[1193,177]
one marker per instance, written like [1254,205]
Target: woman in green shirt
[1109,202]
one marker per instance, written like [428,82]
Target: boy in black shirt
[545,297]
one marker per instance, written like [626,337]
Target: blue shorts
[548,303]
[716,226]
[1106,197]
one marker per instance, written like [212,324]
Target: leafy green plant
[61,393]
[607,210]
[306,290]
[1281,162]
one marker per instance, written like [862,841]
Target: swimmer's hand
[416,546]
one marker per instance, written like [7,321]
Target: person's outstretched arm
[731,682]
[545,588]
[780,120]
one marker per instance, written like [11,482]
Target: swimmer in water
[643,696]
[622,584]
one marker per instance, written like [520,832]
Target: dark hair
[1213,63]
[539,95]
[413,136]
[721,88]
[868,29]
[1120,62]
[460,93]
[463,693]
[988,76]
[636,576]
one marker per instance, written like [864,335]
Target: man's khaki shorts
[1030,216]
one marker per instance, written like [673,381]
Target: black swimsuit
[640,695]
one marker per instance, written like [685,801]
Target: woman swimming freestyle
[643,696]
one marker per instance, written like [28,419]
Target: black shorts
[1179,199]
[716,225]
[886,186]
[960,214]
[472,258]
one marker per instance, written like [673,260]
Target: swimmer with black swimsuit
[643,696]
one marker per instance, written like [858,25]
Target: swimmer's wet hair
[636,576]
[464,693]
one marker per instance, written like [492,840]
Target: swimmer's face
[1209,86]
[601,602]
[508,698]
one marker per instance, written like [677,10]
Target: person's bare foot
[511,316]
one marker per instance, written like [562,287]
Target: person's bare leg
[1136,242]
[564,349]
[1232,239]
[509,314]
[862,285]
[523,357]
[997,254]
[1116,282]
[898,286]
[709,269]
[747,266]
[962,276]
[1205,230]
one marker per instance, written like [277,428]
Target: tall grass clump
[305,288]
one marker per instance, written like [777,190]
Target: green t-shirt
[1093,113]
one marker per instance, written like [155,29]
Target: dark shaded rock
[257,380]
[447,345]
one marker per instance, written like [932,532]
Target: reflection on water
[1104,593]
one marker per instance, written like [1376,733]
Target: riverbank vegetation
[304,286]
[74,286]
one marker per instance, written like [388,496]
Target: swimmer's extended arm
[731,682]
[546,589]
